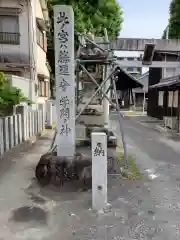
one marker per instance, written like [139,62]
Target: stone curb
[125,173]
[161,129]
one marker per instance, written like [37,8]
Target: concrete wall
[135,44]
[41,62]
[20,82]
[19,128]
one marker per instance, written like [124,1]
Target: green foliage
[9,96]
[92,15]
[174,20]
[164,34]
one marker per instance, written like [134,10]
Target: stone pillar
[49,117]
[99,171]
[65,79]
[1,138]
[25,123]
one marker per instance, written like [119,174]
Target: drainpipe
[106,87]
[30,49]
[178,112]
[167,37]
[33,72]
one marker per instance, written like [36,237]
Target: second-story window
[130,58]
[130,69]
[41,38]
[9,30]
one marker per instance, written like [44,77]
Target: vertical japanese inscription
[98,151]
[63,37]
[65,92]
[63,63]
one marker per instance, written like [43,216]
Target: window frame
[10,37]
[43,87]
[40,33]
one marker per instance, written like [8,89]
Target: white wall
[39,12]
[41,62]
[20,82]
[41,54]
[127,54]
[169,72]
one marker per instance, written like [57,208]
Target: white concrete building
[23,46]
[131,56]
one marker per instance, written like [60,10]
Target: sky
[144,18]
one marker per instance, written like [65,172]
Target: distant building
[140,93]
[156,77]
[129,55]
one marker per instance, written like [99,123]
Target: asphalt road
[158,155]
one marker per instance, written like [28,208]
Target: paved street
[140,210]
[158,155]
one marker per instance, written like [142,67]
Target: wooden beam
[135,44]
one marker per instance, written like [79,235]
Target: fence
[18,128]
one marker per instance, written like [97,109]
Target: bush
[9,96]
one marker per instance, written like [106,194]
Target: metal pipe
[100,86]
[178,112]
[107,93]
[94,81]
[77,85]
[106,86]
[104,61]
[144,101]
[121,126]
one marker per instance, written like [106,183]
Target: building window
[41,38]
[9,30]
[175,104]
[160,98]
[120,58]
[170,99]
[43,87]
[130,58]
[129,69]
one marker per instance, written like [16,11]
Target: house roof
[169,82]
[143,75]
[168,53]
[126,81]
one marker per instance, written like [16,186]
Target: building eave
[126,80]
[166,83]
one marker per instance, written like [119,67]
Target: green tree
[174,20]
[164,34]
[92,15]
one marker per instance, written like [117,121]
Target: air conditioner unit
[170,122]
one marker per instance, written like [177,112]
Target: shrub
[9,96]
